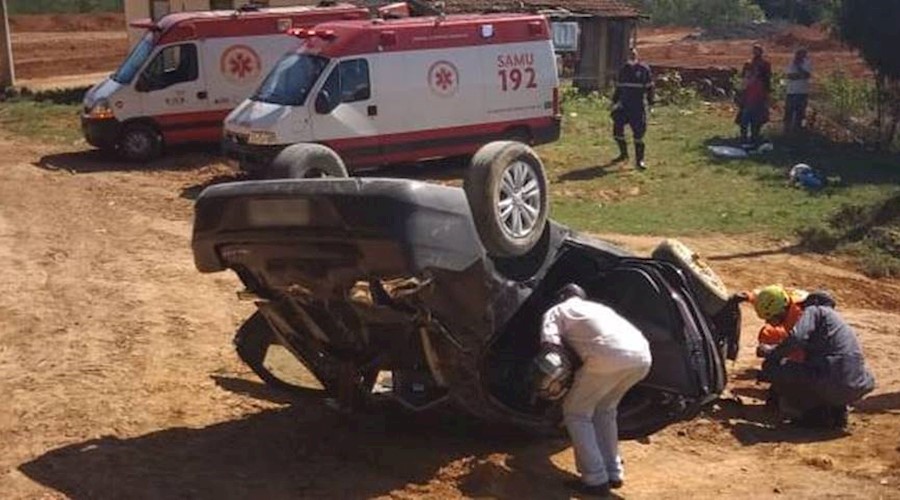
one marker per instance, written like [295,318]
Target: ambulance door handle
[202,94]
[373,110]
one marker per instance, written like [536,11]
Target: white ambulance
[188,71]
[361,94]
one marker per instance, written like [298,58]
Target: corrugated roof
[603,8]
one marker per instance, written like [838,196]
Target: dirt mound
[813,38]
[872,232]
[106,21]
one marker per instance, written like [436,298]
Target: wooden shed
[591,38]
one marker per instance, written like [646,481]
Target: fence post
[7,73]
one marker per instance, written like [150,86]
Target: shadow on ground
[307,451]
[754,423]
[263,392]
[87,161]
[592,172]
[888,402]
[844,163]
[794,249]
[449,169]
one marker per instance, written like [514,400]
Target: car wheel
[710,291]
[140,143]
[507,193]
[307,161]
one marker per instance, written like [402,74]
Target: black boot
[623,151]
[639,156]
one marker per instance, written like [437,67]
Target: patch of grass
[870,233]
[43,121]
[686,191]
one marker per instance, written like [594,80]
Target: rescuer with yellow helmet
[812,356]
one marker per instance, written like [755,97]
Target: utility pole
[7,74]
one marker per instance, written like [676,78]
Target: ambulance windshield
[134,61]
[291,79]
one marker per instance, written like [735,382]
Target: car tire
[507,173]
[710,291]
[140,143]
[307,161]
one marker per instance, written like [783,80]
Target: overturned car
[362,277]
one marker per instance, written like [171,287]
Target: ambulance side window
[348,82]
[173,64]
[355,80]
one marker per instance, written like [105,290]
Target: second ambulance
[367,93]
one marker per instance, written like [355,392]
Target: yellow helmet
[771,302]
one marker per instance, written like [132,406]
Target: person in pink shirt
[753,99]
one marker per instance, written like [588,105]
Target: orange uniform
[773,335]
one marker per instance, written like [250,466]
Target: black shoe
[639,149]
[615,484]
[623,151]
[598,490]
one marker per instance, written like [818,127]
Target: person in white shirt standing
[799,73]
[615,356]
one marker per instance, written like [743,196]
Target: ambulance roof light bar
[311,33]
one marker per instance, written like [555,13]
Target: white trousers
[589,412]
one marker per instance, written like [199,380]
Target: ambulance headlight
[101,110]
[261,137]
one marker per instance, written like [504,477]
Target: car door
[687,370]
[174,94]
[345,115]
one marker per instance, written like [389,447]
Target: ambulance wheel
[710,291]
[140,143]
[307,161]
[507,193]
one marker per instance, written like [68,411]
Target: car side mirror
[324,105]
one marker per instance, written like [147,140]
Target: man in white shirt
[798,73]
[615,357]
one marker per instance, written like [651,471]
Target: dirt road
[118,379]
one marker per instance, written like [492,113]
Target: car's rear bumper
[405,217]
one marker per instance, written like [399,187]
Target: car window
[355,80]
[173,64]
[291,79]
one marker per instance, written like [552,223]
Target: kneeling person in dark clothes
[816,391]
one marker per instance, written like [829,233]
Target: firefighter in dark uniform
[635,82]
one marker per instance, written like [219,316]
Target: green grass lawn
[685,190]
[44,121]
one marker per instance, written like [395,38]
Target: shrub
[703,13]
[871,233]
[671,90]
[64,6]
[844,97]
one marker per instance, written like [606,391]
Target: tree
[871,26]
[799,11]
